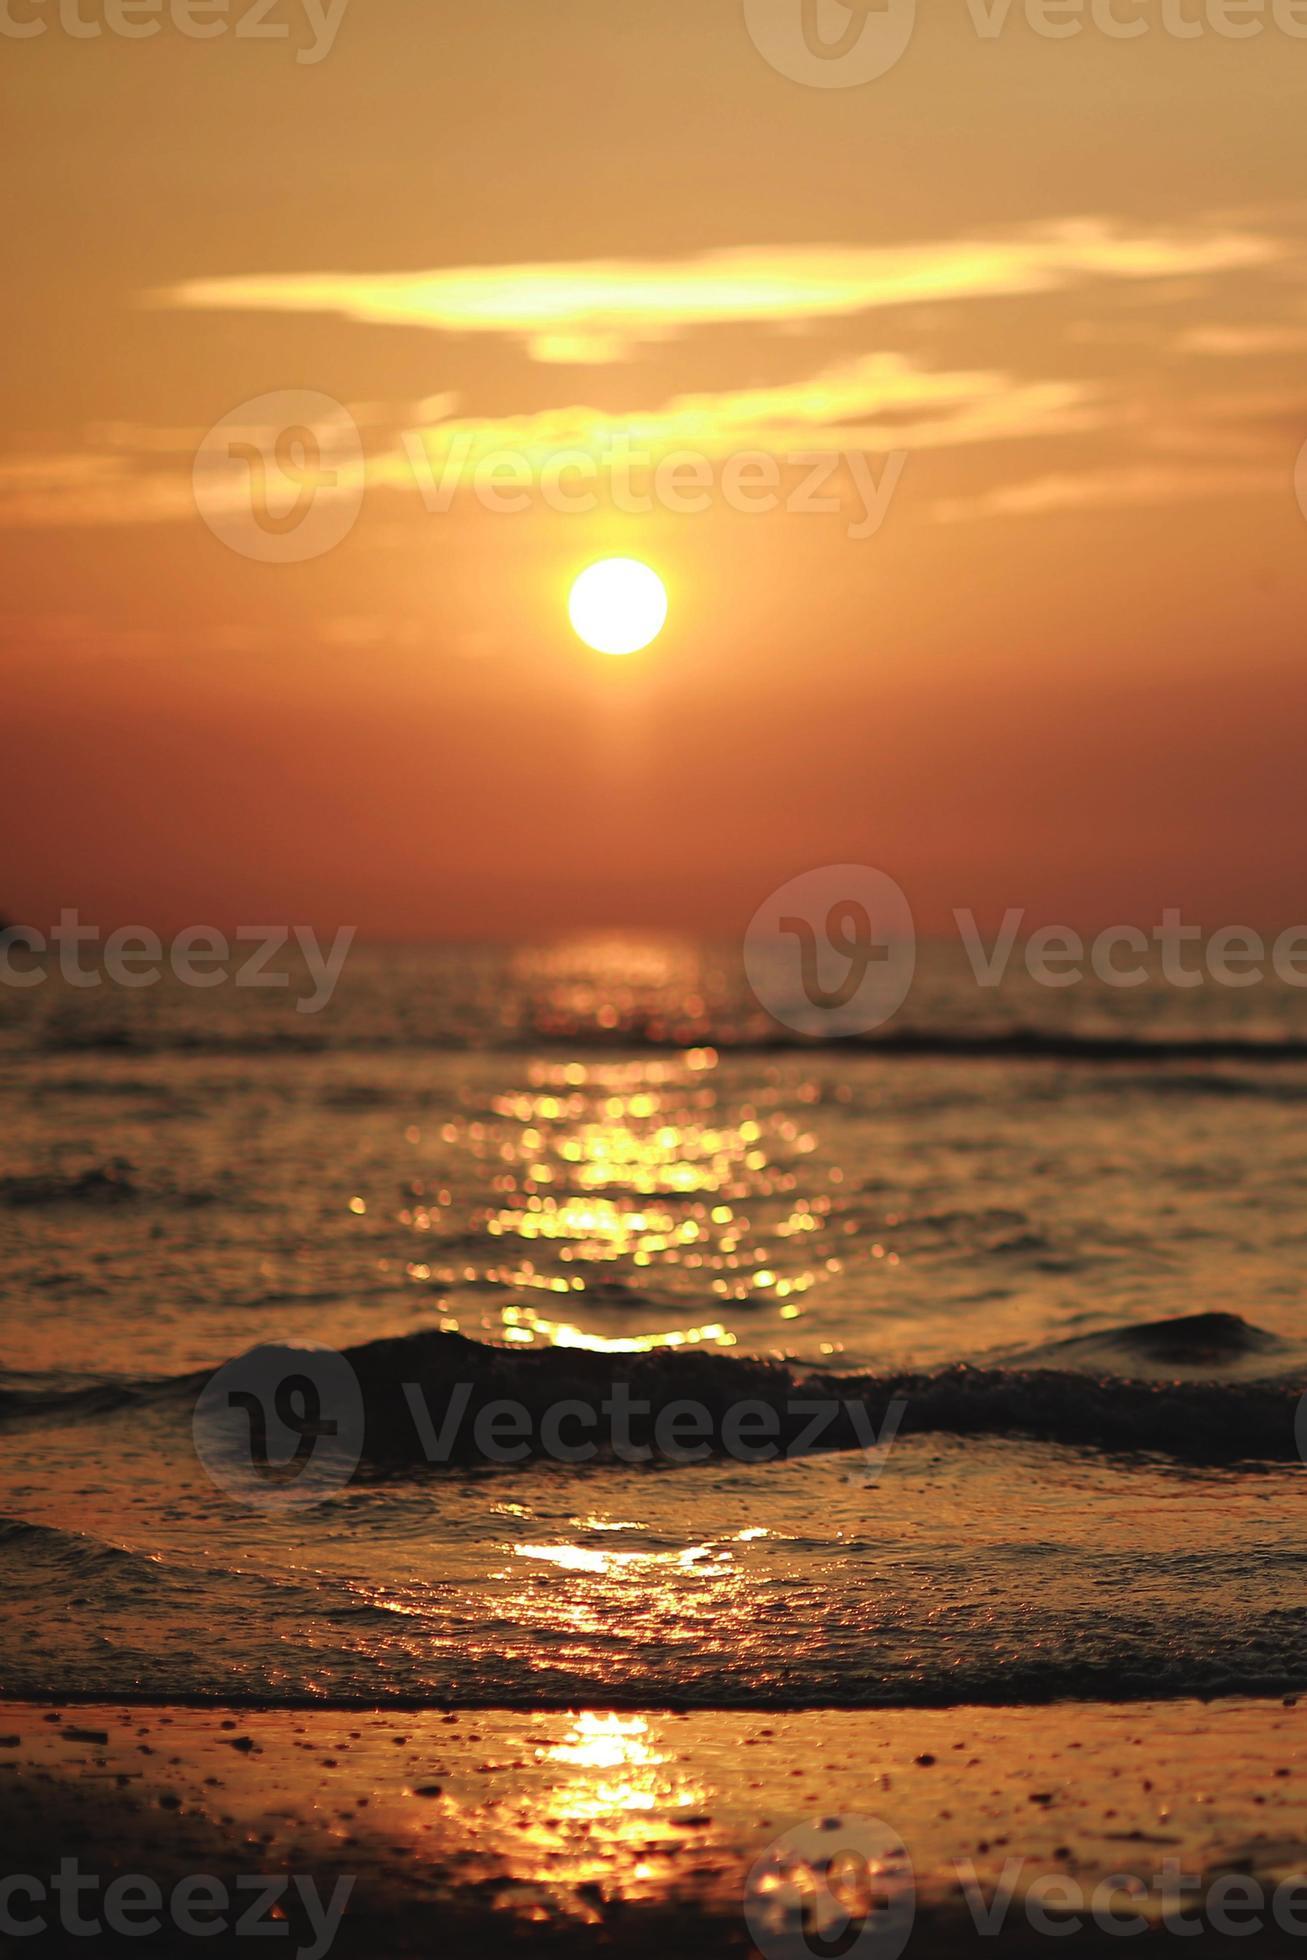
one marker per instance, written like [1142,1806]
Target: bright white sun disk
[618,606]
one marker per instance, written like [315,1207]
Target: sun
[618,606]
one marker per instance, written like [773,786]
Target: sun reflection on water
[616,1769]
[628,1185]
[524,1324]
[607,1601]
[590,1558]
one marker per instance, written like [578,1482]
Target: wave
[1122,1677]
[1179,1388]
[165,1630]
[94,1621]
[40,1562]
[1200,1344]
[70,1038]
[112,1183]
[28,1543]
[1023,1044]
[1192,1420]
[38,1397]
[1000,1043]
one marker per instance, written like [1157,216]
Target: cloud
[602,310]
[1238,342]
[878,403]
[595,312]
[1114,488]
[881,402]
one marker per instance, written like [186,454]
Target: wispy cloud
[597,310]
[880,402]
[1237,343]
[1111,489]
[885,401]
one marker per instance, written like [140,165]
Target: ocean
[1039,1254]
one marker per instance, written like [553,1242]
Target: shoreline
[1285,1695]
[622,1830]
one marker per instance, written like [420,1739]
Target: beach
[595,1831]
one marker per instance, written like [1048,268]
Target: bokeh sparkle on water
[174,1190]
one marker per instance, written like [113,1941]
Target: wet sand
[628,1832]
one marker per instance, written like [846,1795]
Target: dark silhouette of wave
[1102,1391]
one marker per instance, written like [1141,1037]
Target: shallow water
[508,1149]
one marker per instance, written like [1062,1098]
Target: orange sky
[1064,279]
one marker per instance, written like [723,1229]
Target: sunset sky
[1065,278]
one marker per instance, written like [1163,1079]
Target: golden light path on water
[628,1204]
[613,1795]
[524,1324]
[615,1768]
[627,1187]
